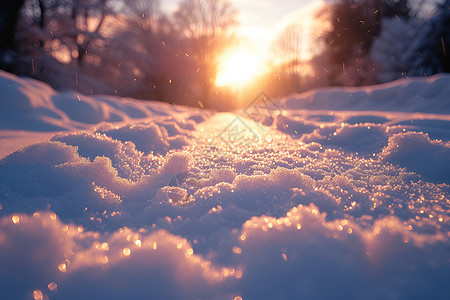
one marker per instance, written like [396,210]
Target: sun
[236,68]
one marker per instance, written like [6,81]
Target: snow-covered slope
[412,95]
[315,196]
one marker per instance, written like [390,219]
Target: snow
[418,153]
[411,95]
[341,193]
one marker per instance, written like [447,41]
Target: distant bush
[415,47]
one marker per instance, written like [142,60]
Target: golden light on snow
[103,259]
[105,246]
[62,267]
[15,219]
[52,286]
[126,251]
[237,250]
[237,68]
[37,295]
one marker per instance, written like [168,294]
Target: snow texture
[340,193]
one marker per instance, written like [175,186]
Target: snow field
[144,200]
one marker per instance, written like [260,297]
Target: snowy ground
[335,194]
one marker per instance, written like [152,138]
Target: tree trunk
[9,15]
[42,16]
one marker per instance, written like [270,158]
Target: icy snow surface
[335,194]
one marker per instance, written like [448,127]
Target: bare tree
[208,26]
[142,46]
[144,16]
[65,25]
[64,41]
[288,48]
[9,15]
[88,18]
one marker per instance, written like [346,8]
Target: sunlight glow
[237,68]
[37,295]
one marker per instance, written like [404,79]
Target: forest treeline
[367,42]
[132,48]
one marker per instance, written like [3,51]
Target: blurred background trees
[132,48]
[207,27]
[63,41]
[288,47]
[429,51]
[125,47]
[9,15]
[355,25]
[373,41]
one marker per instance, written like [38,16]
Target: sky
[258,13]
[260,23]
[259,19]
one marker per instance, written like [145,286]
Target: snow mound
[430,95]
[28,104]
[416,152]
[74,263]
[291,255]
[48,153]
[151,137]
